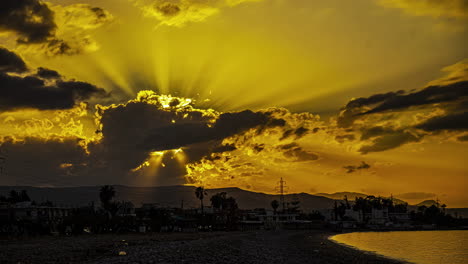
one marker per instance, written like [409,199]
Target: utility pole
[2,163]
[281,188]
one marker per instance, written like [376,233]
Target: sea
[420,247]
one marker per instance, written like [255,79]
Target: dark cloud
[463,138]
[60,47]
[224,148]
[390,139]
[134,130]
[11,62]
[32,92]
[298,133]
[401,101]
[41,161]
[47,73]
[354,108]
[408,116]
[54,29]
[353,168]
[177,135]
[168,9]
[294,152]
[32,20]
[456,121]
[375,132]
[429,95]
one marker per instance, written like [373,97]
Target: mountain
[351,196]
[340,195]
[427,203]
[165,196]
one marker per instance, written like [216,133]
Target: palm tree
[200,193]
[443,207]
[275,204]
[106,194]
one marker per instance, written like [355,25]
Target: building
[27,211]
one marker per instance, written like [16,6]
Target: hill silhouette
[165,196]
[427,203]
[174,196]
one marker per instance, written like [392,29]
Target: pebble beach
[212,247]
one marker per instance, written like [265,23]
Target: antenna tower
[281,188]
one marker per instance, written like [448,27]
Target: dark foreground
[216,247]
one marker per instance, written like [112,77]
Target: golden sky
[332,95]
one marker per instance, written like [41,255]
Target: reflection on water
[422,247]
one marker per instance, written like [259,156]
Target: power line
[281,188]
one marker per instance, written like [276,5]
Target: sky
[366,96]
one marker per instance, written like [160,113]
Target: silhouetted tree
[275,204]
[106,195]
[217,200]
[348,206]
[200,194]
[443,206]
[24,197]
[14,197]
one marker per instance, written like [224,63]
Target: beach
[211,247]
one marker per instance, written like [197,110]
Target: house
[27,211]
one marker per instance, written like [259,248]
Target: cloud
[356,107]
[181,12]
[47,73]
[401,101]
[434,8]
[40,161]
[346,137]
[457,121]
[390,140]
[32,92]
[31,20]
[75,23]
[11,62]
[52,29]
[353,168]
[259,152]
[45,90]
[153,123]
[463,138]
[145,142]
[389,120]
[457,72]
[294,152]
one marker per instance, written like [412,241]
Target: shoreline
[281,246]
[393,260]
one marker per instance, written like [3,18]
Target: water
[421,247]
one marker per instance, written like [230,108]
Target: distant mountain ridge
[351,196]
[180,195]
[427,203]
[165,196]
[341,195]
